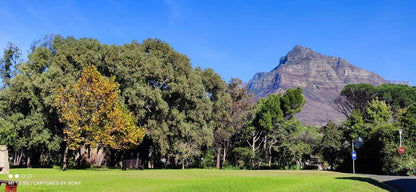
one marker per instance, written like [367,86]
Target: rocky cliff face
[321,77]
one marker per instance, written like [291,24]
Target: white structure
[4,159]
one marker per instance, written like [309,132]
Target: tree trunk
[89,152]
[78,158]
[65,159]
[18,156]
[254,151]
[270,153]
[101,152]
[150,162]
[183,163]
[223,156]
[28,163]
[43,159]
[299,162]
[218,164]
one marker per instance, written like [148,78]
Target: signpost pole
[400,132]
[353,160]
[401,148]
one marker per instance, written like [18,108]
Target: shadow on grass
[369,181]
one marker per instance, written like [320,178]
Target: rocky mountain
[321,77]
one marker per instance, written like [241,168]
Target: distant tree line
[81,103]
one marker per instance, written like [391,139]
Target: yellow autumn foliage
[94,114]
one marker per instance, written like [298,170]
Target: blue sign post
[358,143]
[354,155]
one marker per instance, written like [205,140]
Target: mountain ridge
[321,78]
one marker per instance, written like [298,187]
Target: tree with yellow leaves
[94,115]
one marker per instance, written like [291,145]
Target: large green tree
[354,97]
[26,104]
[240,113]
[331,142]
[274,122]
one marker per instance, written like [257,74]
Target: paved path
[401,183]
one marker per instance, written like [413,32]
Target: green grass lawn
[188,180]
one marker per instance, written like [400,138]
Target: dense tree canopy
[376,114]
[50,103]
[274,135]
[93,103]
[331,143]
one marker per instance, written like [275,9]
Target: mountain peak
[299,52]
[300,48]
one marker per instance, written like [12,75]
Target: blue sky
[235,38]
